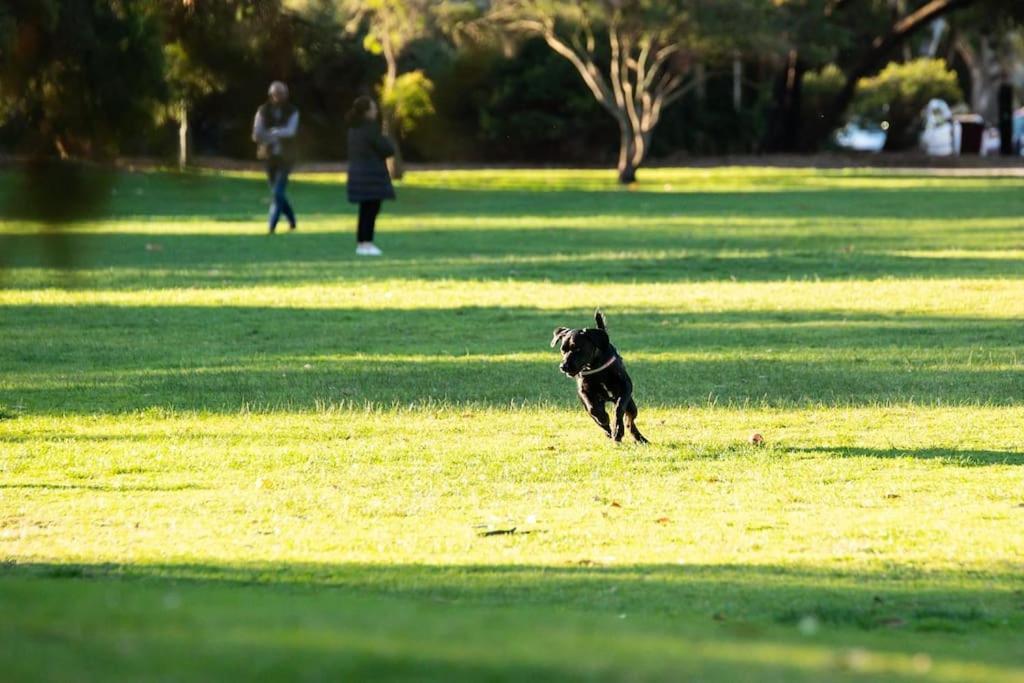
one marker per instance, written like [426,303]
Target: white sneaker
[368,249]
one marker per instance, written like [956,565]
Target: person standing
[274,130]
[369,182]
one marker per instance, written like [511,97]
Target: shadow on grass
[715,623]
[123,358]
[498,622]
[569,255]
[650,249]
[213,197]
[868,599]
[965,457]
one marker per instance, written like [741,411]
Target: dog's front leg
[598,414]
[620,417]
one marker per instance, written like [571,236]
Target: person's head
[278,92]
[363,109]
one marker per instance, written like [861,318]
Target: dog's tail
[602,322]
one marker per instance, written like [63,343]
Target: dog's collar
[584,373]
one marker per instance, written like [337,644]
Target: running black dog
[588,355]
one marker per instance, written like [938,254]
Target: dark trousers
[277,176]
[367,220]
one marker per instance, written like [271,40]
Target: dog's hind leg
[630,416]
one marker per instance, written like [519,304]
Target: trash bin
[972,129]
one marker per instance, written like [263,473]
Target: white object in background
[941,134]
[991,142]
[860,139]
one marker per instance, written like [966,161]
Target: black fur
[586,350]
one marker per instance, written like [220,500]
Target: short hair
[278,86]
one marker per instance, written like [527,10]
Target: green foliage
[371,44]
[245,45]
[389,25]
[79,76]
[56,57]
[819,88]
[187,78]
[705,30]
[533,107]
[900,92]
[409,99]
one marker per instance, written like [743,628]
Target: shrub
[409,99]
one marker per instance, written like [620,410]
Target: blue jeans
[277,176]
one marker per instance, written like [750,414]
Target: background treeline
[95,77]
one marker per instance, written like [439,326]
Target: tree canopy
[602,81]
[78,76]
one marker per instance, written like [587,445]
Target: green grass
[224,455]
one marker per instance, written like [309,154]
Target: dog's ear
[602,322]
[559,335]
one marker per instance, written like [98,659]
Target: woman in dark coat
[369,182]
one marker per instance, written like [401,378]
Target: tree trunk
[974,69]
[785,128]
[987,75]
[627,152]
[184,135]
[700,77]
[395,165]
[627,174]
[389,125]
[737,83]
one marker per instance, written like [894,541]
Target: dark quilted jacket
[368,177]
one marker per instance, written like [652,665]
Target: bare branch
[660,58]
[629,92]
[587,70]
[679,92]
[615,70]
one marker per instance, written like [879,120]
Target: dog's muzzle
[566,366]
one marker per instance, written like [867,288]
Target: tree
[63,78]
[990,48]
[809,37]
[636,57]
[190,34]
[389,26]
[219,57]
[188,80]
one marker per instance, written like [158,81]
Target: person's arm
[288,130]
[382,145]
[260,133]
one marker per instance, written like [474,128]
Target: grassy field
[225,455]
